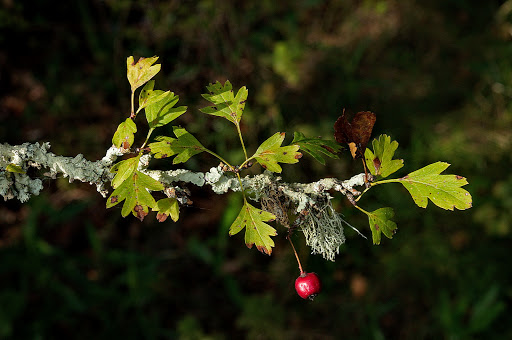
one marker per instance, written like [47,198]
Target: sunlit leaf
[184,146]
[226,104]
[270,153]
[142,71]
[257,232]
[123,170]
[167,207]
[149,96]
[123,137]
[316,147]
[134,192]
[381,223]
[380,161]
[162,112]
[443,190]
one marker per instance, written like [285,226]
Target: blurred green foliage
[438,75]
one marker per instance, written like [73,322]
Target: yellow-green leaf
[123,170]
[381,223]
[149,96]
[184,147]
[380,162]
[142,71]
[134,191]
[226,104]
[270,153]
[257,232]
[162,111]
[167,207]
[123,137]
[443,190]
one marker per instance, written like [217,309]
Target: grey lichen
[323,230]
[21,186]
[322,226]
[173,176]
[27,155]
[221,182]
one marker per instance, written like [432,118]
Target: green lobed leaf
[149,96]
[226,104]
[381,223]
[162,112]
[184,147]
[123,170]
[443,190]
[134,192]
[270,153]
[257,232]
[167,207]
[142,71]
[123,137]
[317,147]
[163,148]
[380,162]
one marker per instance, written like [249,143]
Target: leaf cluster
[135,188]
[424,184]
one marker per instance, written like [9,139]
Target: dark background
[437,73]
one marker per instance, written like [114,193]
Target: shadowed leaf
[381,223]
[316,147]
[184,147]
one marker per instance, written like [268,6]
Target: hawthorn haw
[308,285]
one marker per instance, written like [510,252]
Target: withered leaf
[161,217]
[355,133]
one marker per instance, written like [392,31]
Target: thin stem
[359,197]
[384,181]
[366,182]
[241,139]
[392,180]
[361,209]
[245,162]
[241,186]
[147,138]
[229,165]
[219,157]
[132,115]
[296,256]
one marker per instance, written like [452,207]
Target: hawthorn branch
[21,186]
[310,202]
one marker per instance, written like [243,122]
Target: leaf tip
[264,250]
[161,217]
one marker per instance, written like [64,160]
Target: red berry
[308,285]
